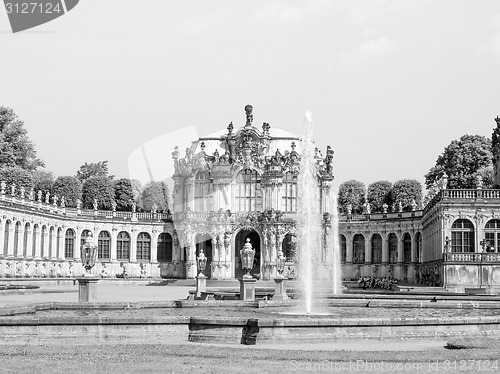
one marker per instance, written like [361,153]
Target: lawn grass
[226,359]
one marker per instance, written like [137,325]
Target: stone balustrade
[58,210]
[472,257]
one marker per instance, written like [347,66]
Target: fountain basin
[239,322]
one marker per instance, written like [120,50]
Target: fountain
[318,263]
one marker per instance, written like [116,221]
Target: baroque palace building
[241,183]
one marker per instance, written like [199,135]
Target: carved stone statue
[384,208]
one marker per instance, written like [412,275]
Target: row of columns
[20,240]
[385,249]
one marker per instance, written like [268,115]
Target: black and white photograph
[267,186]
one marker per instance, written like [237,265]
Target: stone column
[53,252]
[349,248]
[62,250]
[38,244]
[368,250]
[133,245]
[189,185]
[20,242]
[29,243]
[113,248]
[154,247]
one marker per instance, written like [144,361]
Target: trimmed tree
[18,176]
[461,160]
[99,188]
[155,193]
[352,192]
[379,193]
[406,191]
[16,149]
[97,169]
[124,194]
[70,187]
[43,180]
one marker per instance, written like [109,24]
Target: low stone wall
[31,268]
[473,276]
[253,331]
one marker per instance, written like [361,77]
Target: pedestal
[87,289]
[201,284]
[280,289]
[247,289]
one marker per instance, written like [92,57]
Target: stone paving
[107,292]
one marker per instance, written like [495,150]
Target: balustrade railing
[25,203]
[463,194]
[472,257]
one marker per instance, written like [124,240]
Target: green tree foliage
[70,187]
[43,181]
[378,194]
[155,193]
[97,169]
[486,175]
[100,188]
[124,194]
[461,160]
[16,149]
[352,192]
[18,176]
[406,191]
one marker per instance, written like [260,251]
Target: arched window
[34,240]
[123,246]
[58,241]
[393,248]
[418,242]
[84,235]
[289,189]
[43,242]
[164,248]
[492,235]
[51,242]
[462,236]
[143,246]
[248,195]
[6,237]
[376,249]
[17,231]
[103,245]
[358,253]
[343,248]
[406,248]
[69,244]
[203,192]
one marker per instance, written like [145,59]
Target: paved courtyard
[107,292]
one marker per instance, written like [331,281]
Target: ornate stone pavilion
[242,183]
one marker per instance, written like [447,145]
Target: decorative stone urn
[201,279]
[247,283]
[87,284]
[247,254]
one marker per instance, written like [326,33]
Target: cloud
[287,12]
[195,24]
[368,50]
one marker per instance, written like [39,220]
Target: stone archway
[240,240]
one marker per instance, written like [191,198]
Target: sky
[389,83]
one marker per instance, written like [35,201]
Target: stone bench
[192,295]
